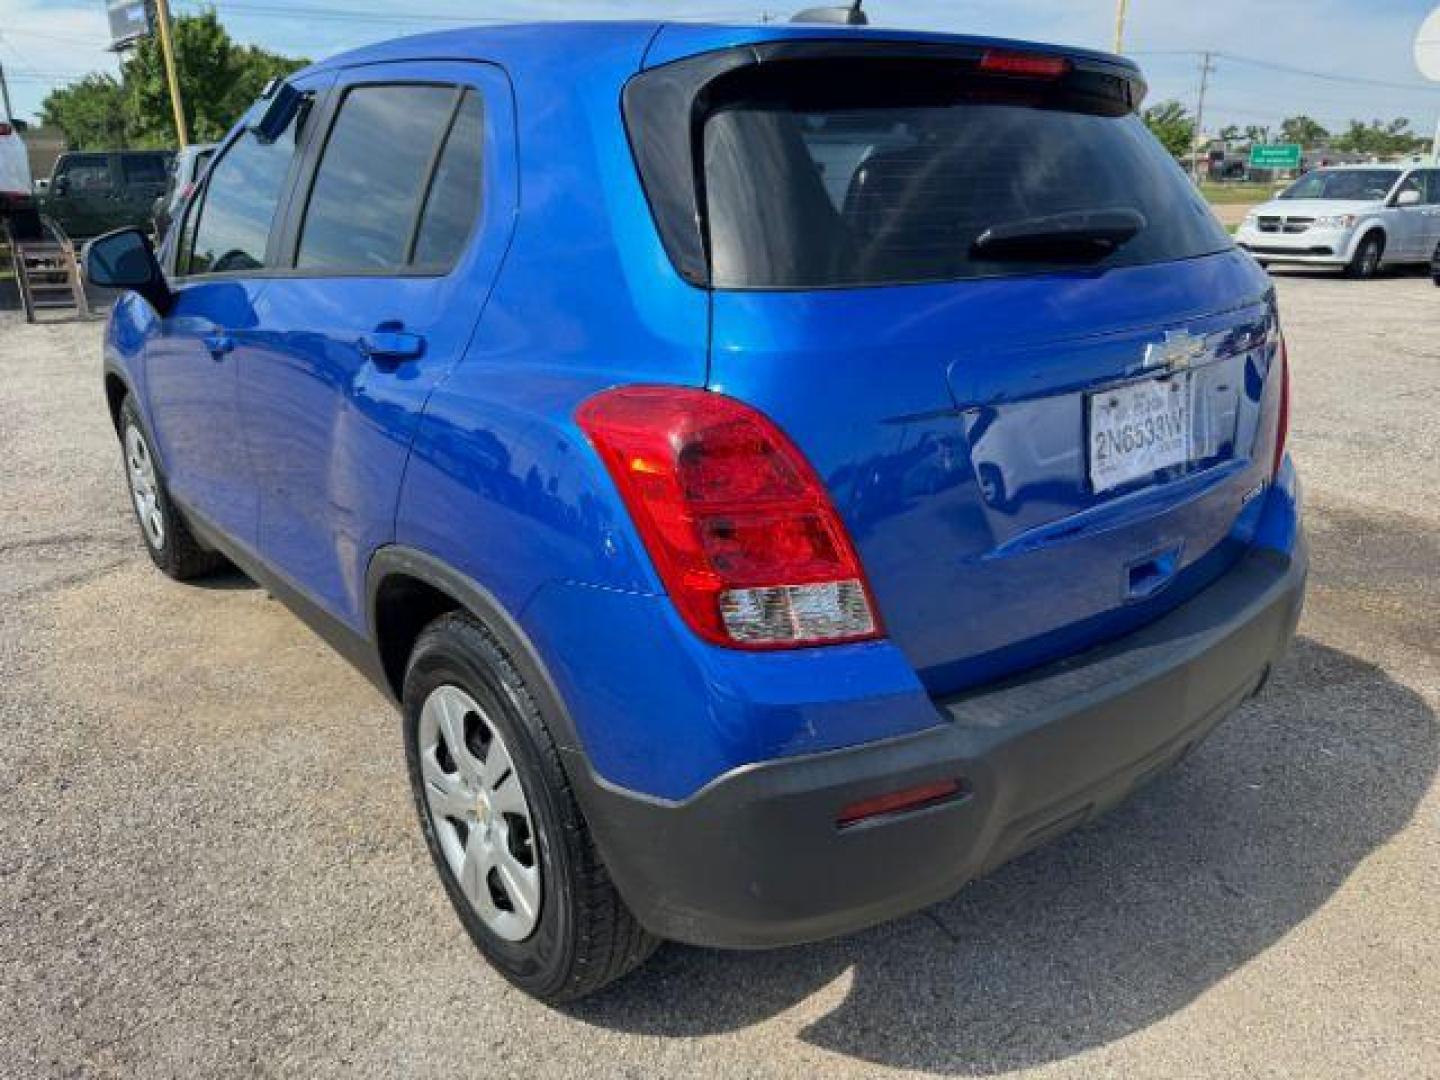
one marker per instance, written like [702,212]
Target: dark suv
[94,192]
[783,472]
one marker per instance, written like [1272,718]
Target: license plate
[1138,429]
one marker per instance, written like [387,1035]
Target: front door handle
[391,346]
[219,343]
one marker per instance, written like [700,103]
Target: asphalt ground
[209,864]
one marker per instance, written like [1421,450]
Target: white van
[15,188]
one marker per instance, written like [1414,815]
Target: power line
[1289,69]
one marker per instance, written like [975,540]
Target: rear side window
[395,153]
[143,168]
[230,228]
[826,178]
[85,172]
[453,202]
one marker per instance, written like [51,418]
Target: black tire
[585,936]
[1435,265]
[173,547]
[1366,263]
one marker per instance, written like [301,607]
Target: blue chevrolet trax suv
[782,472]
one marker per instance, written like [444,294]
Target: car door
[142,180]
[82,192]
[1407,224]
[220,265]
[393,249]
[1430,184]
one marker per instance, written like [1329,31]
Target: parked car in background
[15,187]
[760,544]
[93,192]
[185,173]
[1357,217]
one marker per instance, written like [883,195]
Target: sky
[1363,46]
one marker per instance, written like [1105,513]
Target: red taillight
[5,129]
[896,802]
[742,532]
[1282,424]
[1030,65]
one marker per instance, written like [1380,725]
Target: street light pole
[167,50]
[1120,8]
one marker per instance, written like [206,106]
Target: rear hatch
[993,313]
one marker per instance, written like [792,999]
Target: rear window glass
[1365,185]
[820,182]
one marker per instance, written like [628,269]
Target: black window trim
[295,230]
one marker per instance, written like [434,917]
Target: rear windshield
[1358,185]
[825,179]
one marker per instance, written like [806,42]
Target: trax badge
[1177,352]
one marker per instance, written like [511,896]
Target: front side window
[228,231]
[374,176]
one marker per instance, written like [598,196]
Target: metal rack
[46,269]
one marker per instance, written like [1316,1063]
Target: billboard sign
[129,22]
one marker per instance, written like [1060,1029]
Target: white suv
[1359,217]
[15,190]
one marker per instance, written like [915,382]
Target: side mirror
[124,259]
[60,185]
[1408,198]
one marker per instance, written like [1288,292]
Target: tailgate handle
[1146,577]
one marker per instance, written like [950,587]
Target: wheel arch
[407,589]
[117,389]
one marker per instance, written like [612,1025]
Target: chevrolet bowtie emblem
[1177,352]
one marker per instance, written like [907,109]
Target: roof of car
[653,42]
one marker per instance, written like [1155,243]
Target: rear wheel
[1366,262]
[1435,265]
[168,539]
[501,821]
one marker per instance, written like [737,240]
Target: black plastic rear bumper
[755,859]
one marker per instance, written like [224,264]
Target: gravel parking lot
[209,864]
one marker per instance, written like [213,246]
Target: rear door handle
[219,343]
[391,346]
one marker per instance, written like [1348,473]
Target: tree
[218,80]
[1257,133]
[89,112]
[1231,133]
[1172,124]
[1380,138]
[1303,130]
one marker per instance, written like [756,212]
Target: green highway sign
[1275,156]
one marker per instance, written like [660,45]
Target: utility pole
[167,50]
[1120,9]
[5,94]
[1207,65]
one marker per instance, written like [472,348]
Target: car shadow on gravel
[1105,932]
